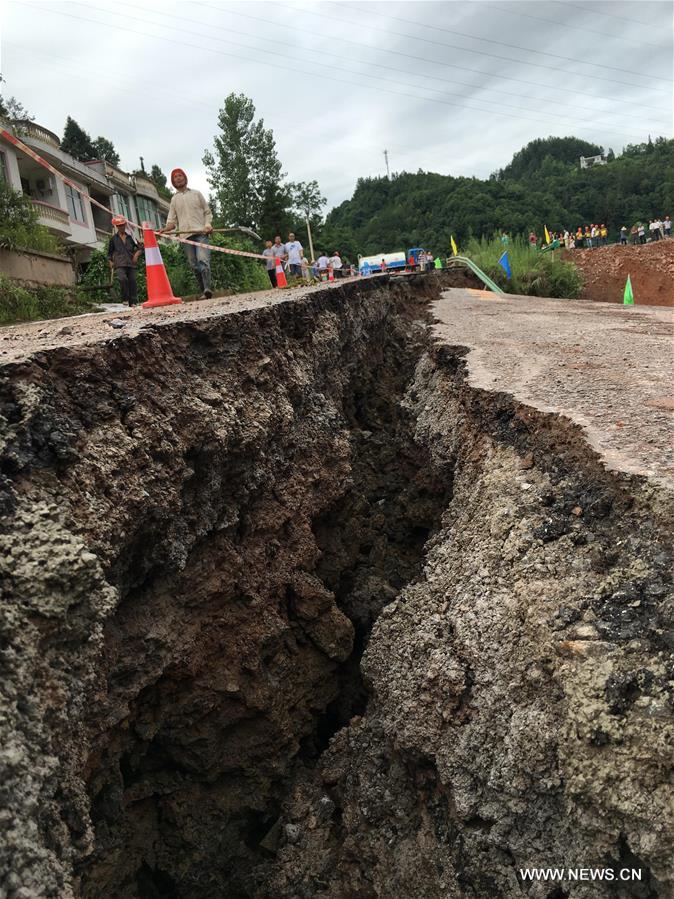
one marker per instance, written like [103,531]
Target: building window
[75,205]
[123,206]
[3,169]
[147,211]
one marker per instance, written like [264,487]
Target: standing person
[641,230]
[336,263]
[653,229]
[667,226]
[271,261]
[588,237]
[603,233]
[306,274]
[294,254]
[623,236]
[661,228]
[190,212]
[123,253]
[323,265]
[383,265]
[634,234]
[429,262]
[278,248]
[579,237]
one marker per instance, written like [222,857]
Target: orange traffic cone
[280,274]
[331,274]
[159,291]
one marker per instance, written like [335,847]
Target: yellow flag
[454,250]
[547,235]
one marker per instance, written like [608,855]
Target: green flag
[628,296]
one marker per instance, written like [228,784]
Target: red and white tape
[50,168]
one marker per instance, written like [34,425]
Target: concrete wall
[38,268]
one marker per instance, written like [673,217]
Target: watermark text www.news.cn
[557,875]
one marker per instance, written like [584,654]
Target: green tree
[244,170]
[77,142]
[105,149]
[160,181]
[307,200]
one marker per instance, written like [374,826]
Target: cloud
[340,82]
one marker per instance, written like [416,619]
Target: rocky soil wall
[290,610]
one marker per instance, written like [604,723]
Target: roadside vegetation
[19,228]
[19,303]
[533,272]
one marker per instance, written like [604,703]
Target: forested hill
[543,184]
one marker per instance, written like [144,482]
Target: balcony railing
[102,235]
[30,129]
[55,217]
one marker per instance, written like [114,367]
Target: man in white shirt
[189,211]
[336,263]
[294,255]
[323,264]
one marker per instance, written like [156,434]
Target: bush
[533,272]
[19,228]
[236,273]
[20,303]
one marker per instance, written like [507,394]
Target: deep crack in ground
[292,610]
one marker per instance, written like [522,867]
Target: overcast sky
[449,87]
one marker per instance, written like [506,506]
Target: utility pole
[388,174]
[311,245]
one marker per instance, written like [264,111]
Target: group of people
[292,259]
[191,216]
[658,229]
[589,236]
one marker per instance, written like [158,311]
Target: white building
[68,214]
[586,162]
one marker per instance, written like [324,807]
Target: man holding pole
[189,211]
[123,253]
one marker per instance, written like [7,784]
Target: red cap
[175,172]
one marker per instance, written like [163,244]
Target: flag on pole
[504,262]
[454,250]
[628,296]
[547,234]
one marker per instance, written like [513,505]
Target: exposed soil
[650,267]
[295,605]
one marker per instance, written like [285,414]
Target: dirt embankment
[650,267]
[290,609]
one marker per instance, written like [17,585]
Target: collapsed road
[363,591]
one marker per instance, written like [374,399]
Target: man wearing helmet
[123,253]
[190,212]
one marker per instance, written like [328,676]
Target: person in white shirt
[294,254]
[190,213]
[336,263]
[323,264]
[667,225]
